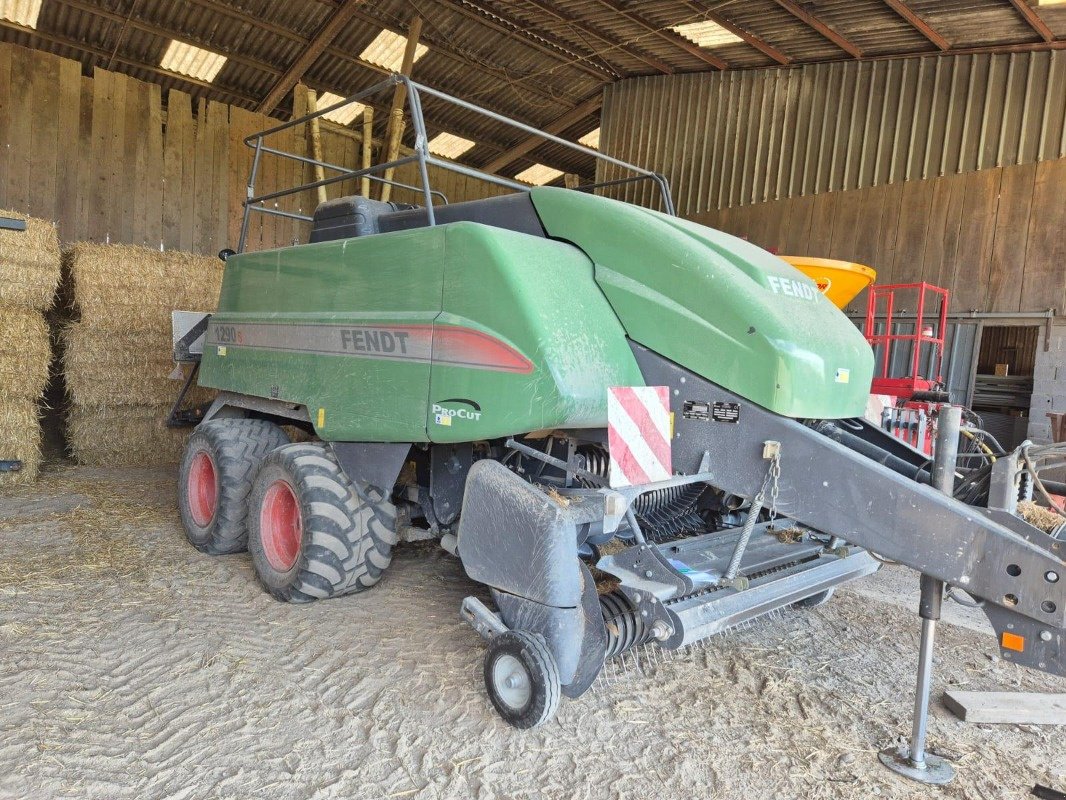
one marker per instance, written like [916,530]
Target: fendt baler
[455,365]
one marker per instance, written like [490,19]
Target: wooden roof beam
[554,127]
[608,39]
[812,21]
[318,44]
[667,35]
[517,30]
[1028,13]
[759,44]
[918,24]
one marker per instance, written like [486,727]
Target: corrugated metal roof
[534,60]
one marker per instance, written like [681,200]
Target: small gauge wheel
[522,679]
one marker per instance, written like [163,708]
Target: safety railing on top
[420,155]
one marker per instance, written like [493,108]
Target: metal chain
[772,477]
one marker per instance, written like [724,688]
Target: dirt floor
[132,666]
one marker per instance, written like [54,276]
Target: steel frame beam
[1028,13]
[620,46]
[812,21]
[759,44]
[667,36]
[920,25]
[318,44]
[556,126]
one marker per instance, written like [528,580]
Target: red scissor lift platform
[915,398]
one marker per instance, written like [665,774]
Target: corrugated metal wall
[738,137]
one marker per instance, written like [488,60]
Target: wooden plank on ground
[1009,708]
[69,155]
[1012,233]
[1042,282]
[973,257]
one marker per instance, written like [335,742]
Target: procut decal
[467,409]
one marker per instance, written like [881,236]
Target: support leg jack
[912,761]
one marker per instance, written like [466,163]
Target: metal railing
[420,155]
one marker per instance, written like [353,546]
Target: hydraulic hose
[872,451]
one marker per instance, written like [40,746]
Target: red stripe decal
[470,348]
[625,459]
[638,412]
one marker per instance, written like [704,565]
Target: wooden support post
[571,181]
[314,131]
[368,149]
[399,97]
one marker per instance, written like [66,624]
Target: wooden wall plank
[917,199]
[1042,283]
[19,133]
[172,168]
[118,165]
[153,190]
[973,257]
[6,120]
[69,154]
[86,174]
[44,135]
[1012,232]
[187,149]
[99,192]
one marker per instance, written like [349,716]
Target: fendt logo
[787,286]
[444,416]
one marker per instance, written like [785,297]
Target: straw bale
[126,436]
[25,353]
[20,439]
[134,289]
[29,264]
[115,368]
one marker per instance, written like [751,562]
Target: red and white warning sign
[638,434]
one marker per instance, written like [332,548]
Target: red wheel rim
[202,489]
[280,526]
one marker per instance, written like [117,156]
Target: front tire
[220,461]
[312,533]
[522,679]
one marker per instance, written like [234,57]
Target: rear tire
[312,533]
[220,460]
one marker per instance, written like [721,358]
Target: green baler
[454,365]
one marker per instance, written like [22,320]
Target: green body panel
[535,297]
[464,332]
[717,305]
[541,297]
[392,278]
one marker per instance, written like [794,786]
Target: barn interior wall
[993,238]
[737,137]
[109,158]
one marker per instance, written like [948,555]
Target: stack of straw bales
[29,274]
[117,352]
